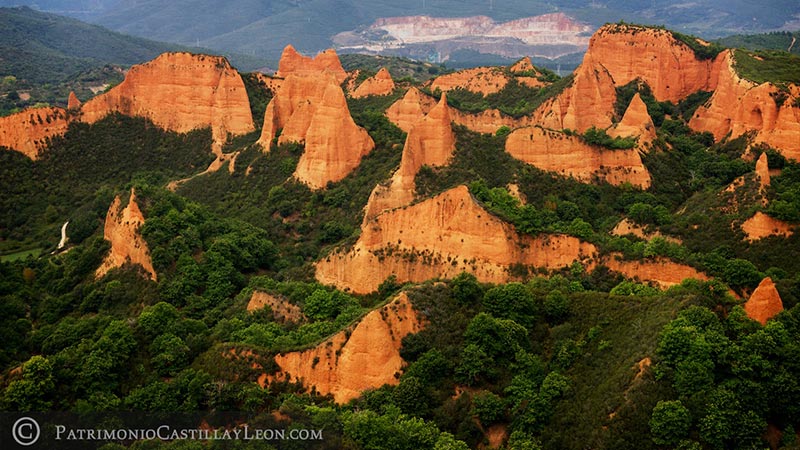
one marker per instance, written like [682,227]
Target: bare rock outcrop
[180,92]
[739,106]
[410,109]
[28,131]
[430,142]
[559,152]
[292,62]
[72,101]
[127,244]
[761,226]
[661,271]
[282,310]
[481,80]
[625,227]
[524,65]
[311,109]
[635,122]
[352,361]
[379,84]
[439,238]
[765,303]
[406,111]
[762,171]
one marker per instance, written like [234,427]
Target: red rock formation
[588,102]
[762,170]
[654,56]
[73,102]
[292,62]
[568,155]
[635,122]
[127,245]
[522,66]
[352,361]
[738,106]
[481,80]
[410,109]
[28,131]
[429,143]
[414,105]
[282,310]
[761,225]
[312,109]
[439,238]
[661,270]
[765,303]
[180,92]
[380,84]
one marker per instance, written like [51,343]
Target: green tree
[669,422]
[34,391]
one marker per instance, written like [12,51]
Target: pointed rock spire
[765,303]
[73,102]
[762,170]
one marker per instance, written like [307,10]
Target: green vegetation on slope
[775,67]
[398,67]
[778,40]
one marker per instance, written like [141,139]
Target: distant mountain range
[263,28]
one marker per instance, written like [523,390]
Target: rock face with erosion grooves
[380,84]
[352,361]
[635,122]
[765,303]
[761,225]
[653,55]
[738,106]
[311,109]
[28,131]
[127,245]
[481,80]
[617,55]
[73,102]
[430,142]
[661,270]
[441,237]
[559,152]
[292,62]
[625,227]
[180,92]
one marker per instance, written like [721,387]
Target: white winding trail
[64,238]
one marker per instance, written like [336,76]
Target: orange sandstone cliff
[430,142]
[765,303]
[739,105]
[292,62]
[180,92]
[559,152]
[352,361]
[379,84]
[127,245]
[28,131]
[441,237]
[311,109]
